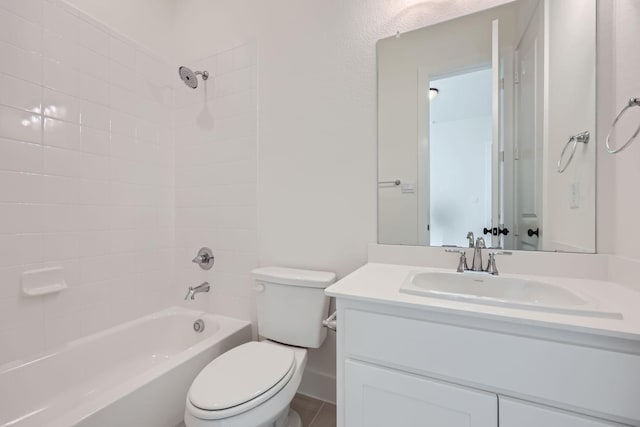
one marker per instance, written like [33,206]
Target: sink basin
[482,288]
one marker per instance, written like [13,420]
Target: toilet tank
[292,305]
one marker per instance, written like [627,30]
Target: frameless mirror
[486,126]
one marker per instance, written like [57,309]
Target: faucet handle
[470,238]
[204,259]
[491,265]
[462,264]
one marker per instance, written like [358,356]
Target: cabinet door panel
[379,397]
[517,413]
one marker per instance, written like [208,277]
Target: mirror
[473,116]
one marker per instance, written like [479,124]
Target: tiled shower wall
[215,167]
[86,175]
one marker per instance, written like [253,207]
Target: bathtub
[133,375]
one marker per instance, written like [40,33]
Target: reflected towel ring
[633,102]
[581,137]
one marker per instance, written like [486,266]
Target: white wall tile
[20,249]
[59,218]
[244,56]
[95,115]
[62,162]
[21,63]
[20,32]
[92,89]
[122,123]
[21,125]
[86,174]
[20,218]
[20,156]
[94,192]
[224,62]
[61,134]
[60,246]
[61,77]
[60,49]
[61,190]
[92,63]
[61,22]
[27,9]
[61,106]
[92,37]
[123,76]
[95,141]
[20,187]
[122,52]
[95,167]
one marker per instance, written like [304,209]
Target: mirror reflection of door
[528,157]
[456,175]
[460,138]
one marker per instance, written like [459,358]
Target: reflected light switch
[408,187]
[575,195]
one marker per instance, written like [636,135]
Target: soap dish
[43,281]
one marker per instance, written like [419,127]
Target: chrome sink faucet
[476,264]
[203,287]
[477,259]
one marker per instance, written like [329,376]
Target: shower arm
[204,74]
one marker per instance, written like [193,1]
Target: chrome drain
[198,325]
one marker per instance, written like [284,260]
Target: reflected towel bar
[581,137]
[396,182]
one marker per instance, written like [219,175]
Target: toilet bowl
[253,384]
[250,385]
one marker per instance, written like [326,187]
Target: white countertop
[380,283]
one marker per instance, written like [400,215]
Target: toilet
[253,384]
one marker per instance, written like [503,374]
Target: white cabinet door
[518,413]
[379,397]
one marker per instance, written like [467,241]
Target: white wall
[215,178]
[148,22]
[86,176]
[618,175]
[627,169]
[570,109]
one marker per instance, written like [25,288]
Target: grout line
[316,415]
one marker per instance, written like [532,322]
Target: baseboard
[318,385]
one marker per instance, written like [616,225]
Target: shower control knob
[204,259]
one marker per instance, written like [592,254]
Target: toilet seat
[241,379]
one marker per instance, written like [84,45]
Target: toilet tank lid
[294,277]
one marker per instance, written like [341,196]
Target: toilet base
[292,419]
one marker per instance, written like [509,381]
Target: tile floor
[314,412]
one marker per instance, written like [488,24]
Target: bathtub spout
[191,294]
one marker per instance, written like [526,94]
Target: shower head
[190,78]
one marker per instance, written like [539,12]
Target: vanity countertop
[380,283]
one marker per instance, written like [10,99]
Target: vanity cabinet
[515,413]
[412,367]
[379,397]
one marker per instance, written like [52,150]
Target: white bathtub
[133,375]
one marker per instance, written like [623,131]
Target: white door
[379,397]
[528,153]
[518,413]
